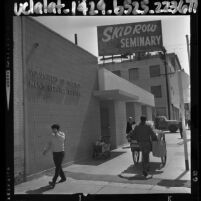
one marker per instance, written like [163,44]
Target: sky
[174,30]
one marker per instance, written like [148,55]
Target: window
[117,72]
[154,71]
[156,91]
[133,74]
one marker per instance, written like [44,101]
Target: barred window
[156,91]
[154,71]
[133,74]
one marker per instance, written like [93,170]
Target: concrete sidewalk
[118,175]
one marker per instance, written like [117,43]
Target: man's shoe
[62,180]
[52,184]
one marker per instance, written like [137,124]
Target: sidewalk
[118,175]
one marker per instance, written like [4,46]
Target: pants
[58,158]
[181,132]
[145,147]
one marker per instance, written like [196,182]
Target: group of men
[144,134]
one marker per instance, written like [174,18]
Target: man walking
[56,144]
[144,133]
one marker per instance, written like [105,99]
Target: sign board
[130,38]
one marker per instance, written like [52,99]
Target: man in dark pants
[144,133]
[180,128]
[56,144]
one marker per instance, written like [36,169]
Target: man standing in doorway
[144,133]
[56,144]
[129,127]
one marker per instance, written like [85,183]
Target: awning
[115,94]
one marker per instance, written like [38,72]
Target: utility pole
[188,50]
[189,60]
[183,118]
[167,84]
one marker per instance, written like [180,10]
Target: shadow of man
[135,172]
[39,190]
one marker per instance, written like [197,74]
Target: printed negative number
[174,6]
[158,8]
[167,5]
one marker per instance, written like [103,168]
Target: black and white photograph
[102,105]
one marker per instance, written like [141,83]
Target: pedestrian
[130,127]
[189,124]
[144,134]
[180,128]
[56,145]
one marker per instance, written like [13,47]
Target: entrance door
[105,126]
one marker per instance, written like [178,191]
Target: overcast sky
[174,29]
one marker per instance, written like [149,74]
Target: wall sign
[50,88]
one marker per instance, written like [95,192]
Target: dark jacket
[144,133]
[129,127]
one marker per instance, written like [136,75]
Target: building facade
[148,72]
[56,81]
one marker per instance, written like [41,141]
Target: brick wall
[78,116]
[18,103]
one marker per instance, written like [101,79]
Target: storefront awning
[115,94]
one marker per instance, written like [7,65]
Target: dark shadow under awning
[115,94]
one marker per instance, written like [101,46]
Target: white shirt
[57,142]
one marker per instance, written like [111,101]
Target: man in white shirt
[56,145]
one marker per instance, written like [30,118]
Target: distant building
[148,72]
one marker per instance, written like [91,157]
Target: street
[117,175]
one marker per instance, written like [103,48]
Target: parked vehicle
[162,123]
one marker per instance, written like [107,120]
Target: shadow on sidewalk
[100,160]
[155,168]
[174,183]
[39,190]
[177,182]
